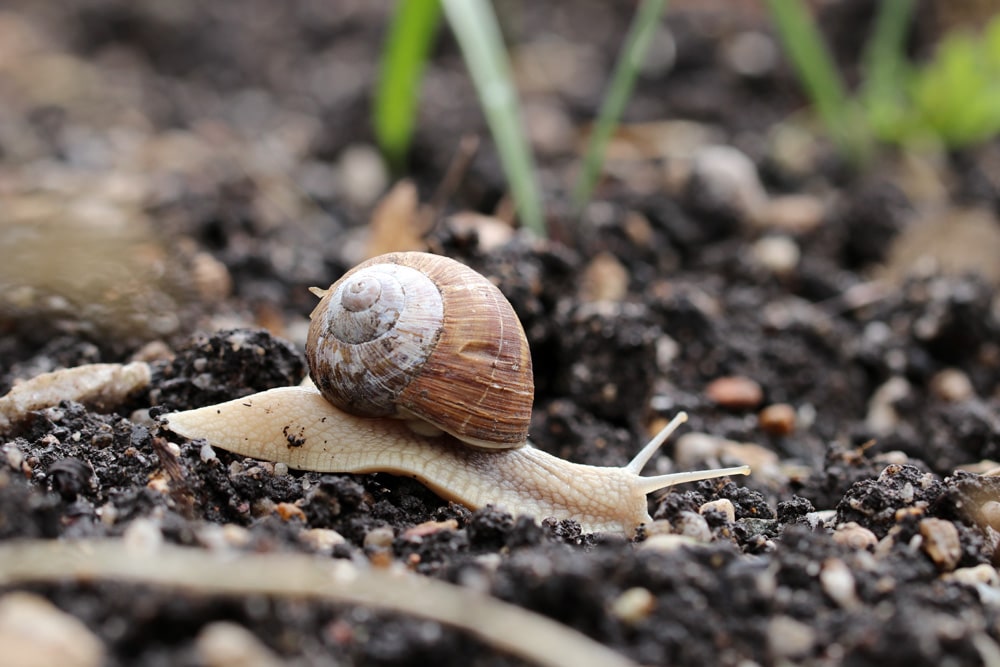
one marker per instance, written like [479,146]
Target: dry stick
[517,631]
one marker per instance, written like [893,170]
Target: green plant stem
[884,60]
[475,26]
[812,60]
[404,56]
[640,34]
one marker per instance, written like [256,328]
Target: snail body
[450,410]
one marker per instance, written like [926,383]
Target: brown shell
[417,335]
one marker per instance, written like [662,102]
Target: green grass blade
[640,34]
[478,34]
[814,64]
[404,55]
[884,61]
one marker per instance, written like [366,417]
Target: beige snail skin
[447,406]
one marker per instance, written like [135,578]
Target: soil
[215,160]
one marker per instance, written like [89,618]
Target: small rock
[322,540]
[36,633]
[289,511]
[941,543]
[974,576]
[727,179]
[363,175]
[838,583]
[777,419]
[633,605]
[694,447]
[604,279]
[723,505]
[667,542]
[143,537]
[777,254]
[225,644]
[693,525]
[882,417]
[854,536]
[789,638]
[429,528]
[796,214]
[379,538]
[952,385]
[735,392]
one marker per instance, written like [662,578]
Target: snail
[422,369]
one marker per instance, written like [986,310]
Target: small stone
[789,638]
[604,279]
[289,511]
[838,583]
[777,254]
[667,542]
[429,528]
[724,505]
[735,392]
[363,174]
[633,605]
[973,576]
[725,178]
[207,453]
[796,214]
[941,543]
[322,540]
[989,513]
[882,417]
[143,537]
[379,538]
[693,448]
[952,385]
[225,644]
[777,419]
[693,525]
[855,536]
[36,633]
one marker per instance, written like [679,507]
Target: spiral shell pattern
[414,335]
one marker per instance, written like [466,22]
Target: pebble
[854,536]
[728,178]
[973,576]
[789,638]
[724,505]
[322,540]
[604,279]
[692,525]
[633,605]
[289,511]
[695,447]
[667,543]
[941,543]
[429,528]
[794,214]
[777,419]
[362,174]
[952,385]
[838,583]
[225,644]
[735,392]
[36,633]
[379,538]
[207,453]
[143,536]
[882,417]
[989,512]
[778,254]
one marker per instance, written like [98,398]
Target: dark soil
[796,578]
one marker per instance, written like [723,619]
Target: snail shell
[422,337]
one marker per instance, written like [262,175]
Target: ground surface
[167,172]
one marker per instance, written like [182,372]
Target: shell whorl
[417,335]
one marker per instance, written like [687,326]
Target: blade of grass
[478,34]
[404,55]
[884,62]
[633,51]
[815,66]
